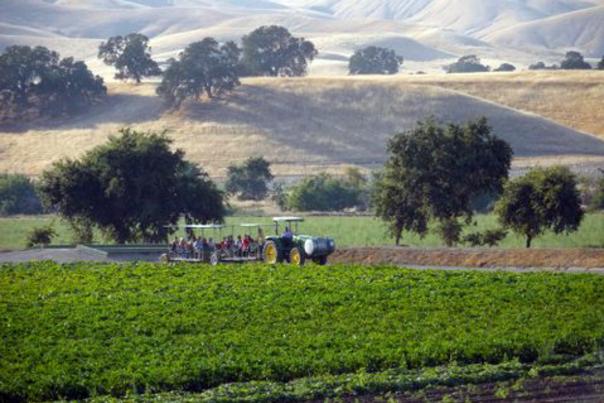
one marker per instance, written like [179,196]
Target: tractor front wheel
[296,256]
[271,253]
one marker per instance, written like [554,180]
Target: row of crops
[74,331]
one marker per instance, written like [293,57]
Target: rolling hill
[428,33]
[301,125]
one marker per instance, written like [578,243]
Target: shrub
[473,239]
[450,231]
[543,66]
[324,192]
[40,236]
[18,195]
[279,196]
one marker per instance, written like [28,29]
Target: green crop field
[348,231]
[74,331]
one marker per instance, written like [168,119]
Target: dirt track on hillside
[471,258]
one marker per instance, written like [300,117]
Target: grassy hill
[309,124]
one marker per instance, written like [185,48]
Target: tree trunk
[528,241]
[209,92]
[398,236]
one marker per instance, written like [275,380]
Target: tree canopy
[36,82]
[374,60]
[204,67]
[132,188]
[249,181]
[18,195]
[273,51]
[504,67]
[436,171]
[545,198]
[131,56]
[467,64]
[574,61]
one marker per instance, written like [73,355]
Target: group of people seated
[193,247]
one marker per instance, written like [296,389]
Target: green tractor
[294,248]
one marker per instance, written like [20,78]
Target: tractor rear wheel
[271,253]
[296,256]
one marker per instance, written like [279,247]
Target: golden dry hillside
[309,124]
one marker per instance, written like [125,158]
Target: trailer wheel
[322,260]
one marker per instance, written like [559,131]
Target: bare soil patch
[521,258]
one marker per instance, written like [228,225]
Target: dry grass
[574,99]
[315,124]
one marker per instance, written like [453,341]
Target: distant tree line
[435,172]
[572,61]
[471,64]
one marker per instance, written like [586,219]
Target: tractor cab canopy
[287,222]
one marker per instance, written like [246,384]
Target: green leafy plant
[80,330]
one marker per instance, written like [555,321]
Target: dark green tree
[601,64]
[397,202]
[544,199]
[250,180]
[436,172]
[205,67]
[467,64]
[18,195]
[132,188]
[574,61]
[35,82]
[273,51]
[505,67]
[374,60]
[130,55]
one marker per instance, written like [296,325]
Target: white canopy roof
[287,219]
[204,226]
